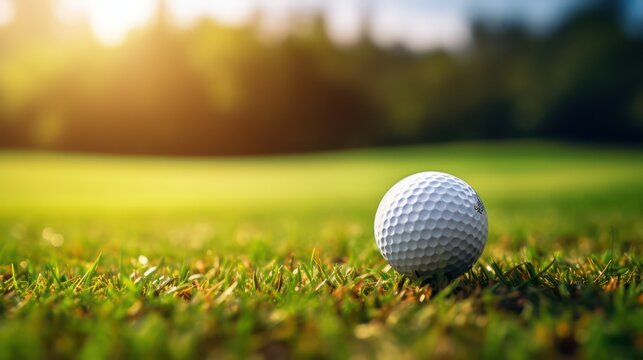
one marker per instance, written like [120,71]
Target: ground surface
[157,258]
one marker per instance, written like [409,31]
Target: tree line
[217,90]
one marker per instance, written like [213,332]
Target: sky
[416,24]
[633,16]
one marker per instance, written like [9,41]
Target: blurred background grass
[559,192]
[504,173]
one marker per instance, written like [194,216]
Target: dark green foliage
[213,89]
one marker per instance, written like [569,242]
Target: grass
[105,257]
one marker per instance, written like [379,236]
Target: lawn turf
[105,257]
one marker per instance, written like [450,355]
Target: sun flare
[111,20]
[6,12]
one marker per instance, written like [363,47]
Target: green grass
[104,257]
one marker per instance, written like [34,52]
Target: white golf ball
[431,223]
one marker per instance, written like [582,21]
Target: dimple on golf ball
[431,223]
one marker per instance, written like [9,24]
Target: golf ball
[431,223]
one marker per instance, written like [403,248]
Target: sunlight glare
[111,20]
[6,12]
